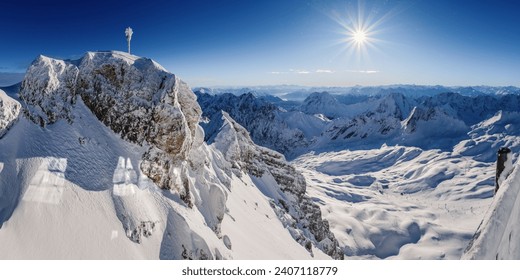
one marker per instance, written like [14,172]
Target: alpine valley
[113,157]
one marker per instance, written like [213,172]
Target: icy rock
[9,111]
[227,241]
[49,90]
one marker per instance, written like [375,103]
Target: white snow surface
[399,202]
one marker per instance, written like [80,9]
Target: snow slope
[497,236]
[108,162]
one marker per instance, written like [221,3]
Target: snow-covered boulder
[9,110]
[48,90]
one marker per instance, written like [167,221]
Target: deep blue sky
[263,42]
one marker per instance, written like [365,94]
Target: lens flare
[359,29]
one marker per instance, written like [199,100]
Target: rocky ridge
[296,210]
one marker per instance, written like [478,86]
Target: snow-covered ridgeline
[277,180]
[323,122]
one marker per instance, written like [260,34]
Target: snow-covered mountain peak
[130,59]
[133,96]
[324,103]
[396,105]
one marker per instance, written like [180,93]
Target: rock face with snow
[9,110]
[49,90]
[379,120]
[133,96]
[281,182]
[421,117]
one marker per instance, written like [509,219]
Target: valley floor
[400,202]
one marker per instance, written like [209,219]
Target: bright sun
[359,37]
[359,29]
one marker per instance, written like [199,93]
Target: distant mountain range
[299,93]
[324,121]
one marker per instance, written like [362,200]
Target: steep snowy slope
[497,237]
[269,170]
[108,161]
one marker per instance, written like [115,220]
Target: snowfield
[399,202]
